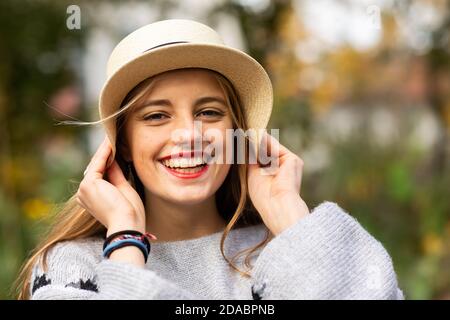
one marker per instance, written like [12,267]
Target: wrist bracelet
[125,238]
[135,234]
[124,243]
[112,236]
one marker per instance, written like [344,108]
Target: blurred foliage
[398,190]
[37,54]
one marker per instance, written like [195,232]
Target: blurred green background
[362,95]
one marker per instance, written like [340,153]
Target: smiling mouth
[193,163]
[184,165]
[186,170]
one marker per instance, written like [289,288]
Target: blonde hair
[232,200]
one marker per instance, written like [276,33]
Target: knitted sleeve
[325,255]
[73,273]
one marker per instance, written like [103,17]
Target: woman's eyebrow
[167,103]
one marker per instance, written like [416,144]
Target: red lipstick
[184,175]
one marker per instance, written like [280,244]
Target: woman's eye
[210,113]
[161,116]
[154,116]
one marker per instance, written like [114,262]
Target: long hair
[233,203]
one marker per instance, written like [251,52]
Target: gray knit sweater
[325,255]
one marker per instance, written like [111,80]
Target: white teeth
[183,162]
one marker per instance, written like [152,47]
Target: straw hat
[179,43]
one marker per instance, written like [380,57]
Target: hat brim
[248,77]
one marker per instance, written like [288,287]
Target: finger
[292,171]
[116,176]
[97,166]
[272,145]
[96,154]
[271,150]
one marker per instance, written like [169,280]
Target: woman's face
[159,129]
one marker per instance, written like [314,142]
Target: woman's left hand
[275,192]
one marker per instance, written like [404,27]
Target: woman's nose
[188,133]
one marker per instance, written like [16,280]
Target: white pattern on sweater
[326,255]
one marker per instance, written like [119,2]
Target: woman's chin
[186,198]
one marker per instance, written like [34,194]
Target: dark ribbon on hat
[165,44]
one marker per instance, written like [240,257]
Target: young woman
[173,84]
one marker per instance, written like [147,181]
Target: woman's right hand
[113,202]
